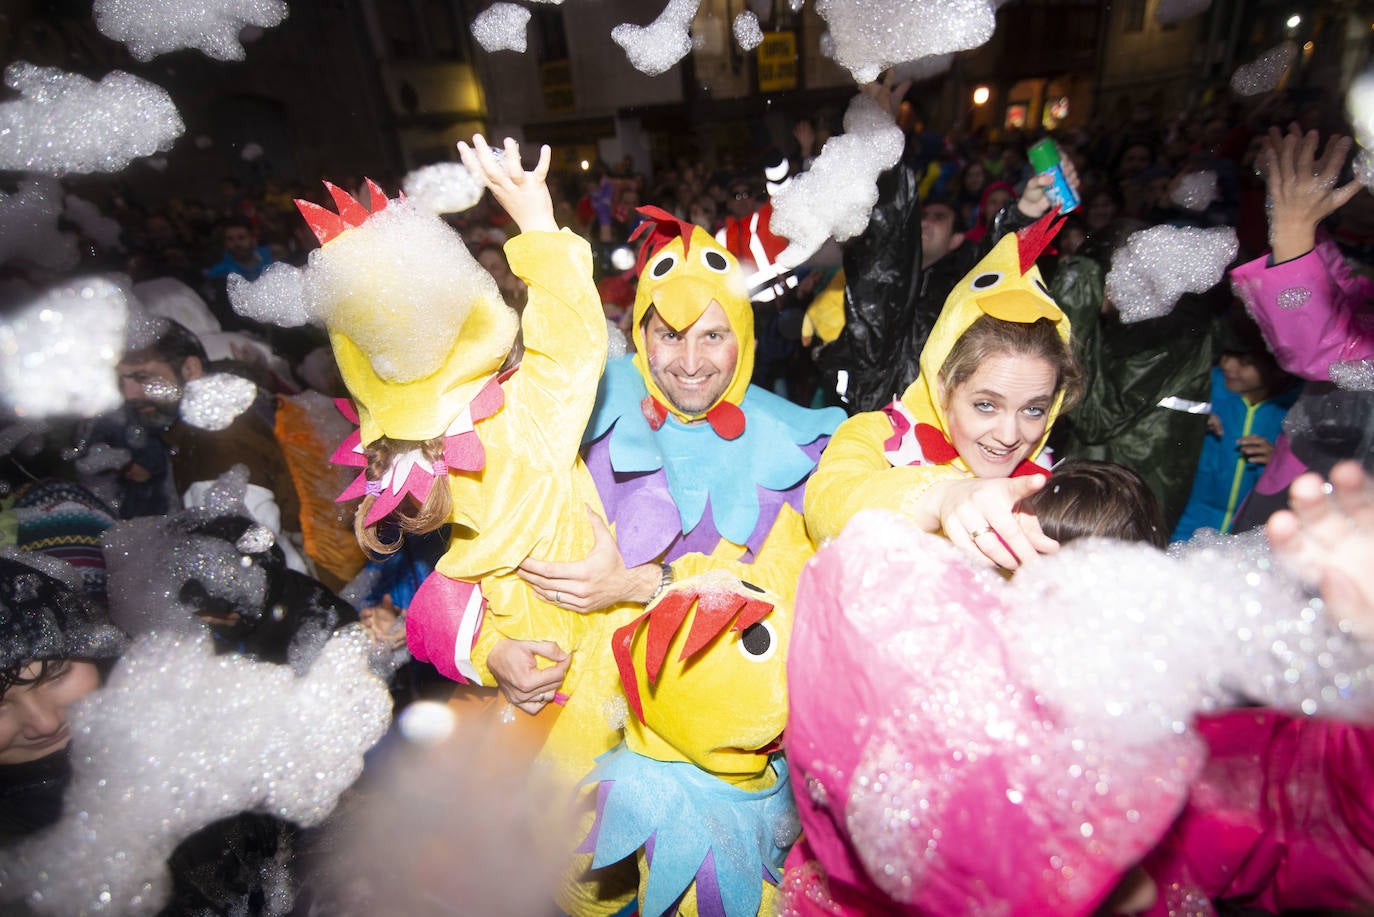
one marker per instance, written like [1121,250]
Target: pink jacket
[1313,312]
[906,777]
[932,790]
[1282,817]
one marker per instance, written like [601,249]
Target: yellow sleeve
[855,475]
[564,333]
[826,312]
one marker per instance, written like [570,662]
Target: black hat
[45,615]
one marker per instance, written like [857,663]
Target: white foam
[65,123]
[871,35]
[277,297]
[443,187]
[1264,73]
[657,47]
[501,27]
[747,32]
[180,738]
[1158,265]
[28,226]
[152,27]
[59,352]
[214,401]
[834,198]
[420,283]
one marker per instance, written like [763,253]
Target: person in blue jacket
[1250,397]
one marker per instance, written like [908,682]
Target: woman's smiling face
[998,414]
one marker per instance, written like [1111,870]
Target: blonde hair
[988,337]
[430,515]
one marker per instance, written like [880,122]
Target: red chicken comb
[327,225]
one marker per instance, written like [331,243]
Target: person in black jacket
[895,287]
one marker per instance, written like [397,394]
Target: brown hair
[988,337]
[432,514]
[1085,498]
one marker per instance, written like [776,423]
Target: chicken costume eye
[714,261]
[986,280]
[758,642]
[663,264]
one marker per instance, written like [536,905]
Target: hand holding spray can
[1044,159]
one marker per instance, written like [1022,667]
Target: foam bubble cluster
[1170,11]
[1058,706]
[152,597]
[1212,624]
[657,47]
[1158,265]
[444,187]
[65,123]
[152,27]
[60,352]
[1195,190]
[400,286]
[214,401]
[277,297]
[833,199]
[501,27]
[28,226]
[1353,375]
[180,738]
[748,34]
[872,35]
[1263,73]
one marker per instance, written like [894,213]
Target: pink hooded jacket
[1313,312]
[941,790]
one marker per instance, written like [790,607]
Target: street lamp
[981,95]
[1294,21]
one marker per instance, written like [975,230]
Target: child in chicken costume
[887,459]
[698,793]
[420,333]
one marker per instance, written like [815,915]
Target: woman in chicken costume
[420,333]
[965,442]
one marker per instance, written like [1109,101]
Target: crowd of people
[599,436]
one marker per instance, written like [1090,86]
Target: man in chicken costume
[420,333]
[688,457]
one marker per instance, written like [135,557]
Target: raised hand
[1302,188]
[524,195]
